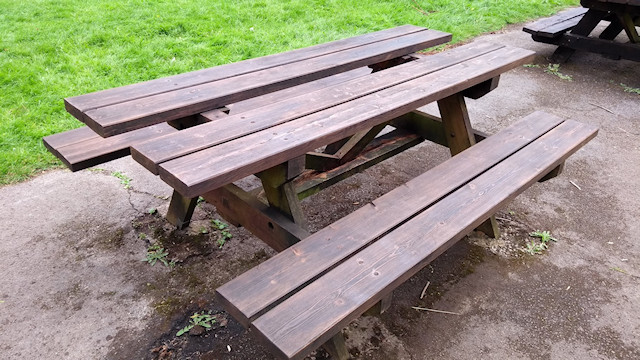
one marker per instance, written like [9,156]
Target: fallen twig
[576,185]
[603,108]
[424,290]
[628,132]
[624,272]
[436,311]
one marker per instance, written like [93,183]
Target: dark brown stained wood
[313,315]
[181,210]
[207,135]
[130,115]
[82,148]
[211,168]
[258,288]
[79,104]
[456,123]
[270,98]
[563,17]
[626,51]
[429,127]
[629,27]
[271,226]
[379,149]
[69,137]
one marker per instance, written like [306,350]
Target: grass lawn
[51,49]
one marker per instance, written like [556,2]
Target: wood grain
[78,104]
[188,141]
[82,148]
[259,288]
[211,168]
[126,116]
[313,315]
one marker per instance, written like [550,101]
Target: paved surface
[73,285]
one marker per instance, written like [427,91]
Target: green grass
[55,49]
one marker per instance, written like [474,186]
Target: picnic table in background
[571,29]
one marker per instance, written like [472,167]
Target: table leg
[629,27]
[336,347]
[460,136]
[181,210]
[280,189]
[588,22]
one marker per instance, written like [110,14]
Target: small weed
[534,248]
[157,253]
[537,248]
[630,89]
[200,200]
[205,320]
[153,211]
[218,224]
[554,69]
[224,236]
[544,236]
[142,236]
[124,179]
[531,65]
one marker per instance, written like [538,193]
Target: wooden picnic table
[571,30]
[306,119]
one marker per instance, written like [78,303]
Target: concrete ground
[73,284]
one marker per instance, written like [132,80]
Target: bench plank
[552,26]
[153,153]
[82,148]
[78,104]
[261,287]
[113,119]
[69,146]
[208,169]
[312,316]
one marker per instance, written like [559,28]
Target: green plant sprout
[544,236]
[554,69]
[630,89]
[535,248]
[205,320]
[218,224]
[224,236]
[156,252]
[124,179]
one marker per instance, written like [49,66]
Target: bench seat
[303,296]
[81,148]
[556,25]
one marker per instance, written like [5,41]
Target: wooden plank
[290,92]
[626,51]
[567,15]
[456,123]
[430,127]
[113,119]
[82,148]
[181,210]
[78,104]
[258,289]
[310,317]
[268,224]
[380,149]
[211,168]
[588,22]
[205,136]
